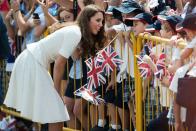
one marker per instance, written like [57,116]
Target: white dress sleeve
[71,39]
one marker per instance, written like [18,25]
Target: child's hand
[146,59]
[153,57]
[175,41]
[110,85]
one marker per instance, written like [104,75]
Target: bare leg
[72,123]
[124,118]
[112,113]
[101,109]
[80,113]
[56,126]
[93,115]
[132,111]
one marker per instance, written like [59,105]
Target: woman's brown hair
[90,43]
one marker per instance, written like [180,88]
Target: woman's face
[66,16]
[96,22]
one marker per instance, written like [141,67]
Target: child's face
[110,21]
[66,16]
[165,30]
[138,27]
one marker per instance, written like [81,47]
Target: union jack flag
[161,67]
[89,95]
[108,59]
[143,67]
[95,75]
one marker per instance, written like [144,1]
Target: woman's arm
[59,68]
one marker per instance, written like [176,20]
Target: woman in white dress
[31,89]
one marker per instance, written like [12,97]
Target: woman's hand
[179,126]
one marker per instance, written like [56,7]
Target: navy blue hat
[109,10]
[146,17]
[128,7]
[156,26]
[189,22]
[172,20]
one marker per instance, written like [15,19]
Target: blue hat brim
[127,10]
[150,28]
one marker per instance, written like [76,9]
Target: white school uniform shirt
[127,67]
[77,70]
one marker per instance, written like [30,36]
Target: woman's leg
[56,126]
[81,113]
[72,123]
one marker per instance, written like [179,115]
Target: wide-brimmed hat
[156,26]
[189,22]
[109,10]
[128,7]
[145,17]
[172,20]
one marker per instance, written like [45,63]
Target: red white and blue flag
[89,95]
[143,67]
[95,75]
[161,66]
[108,59]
